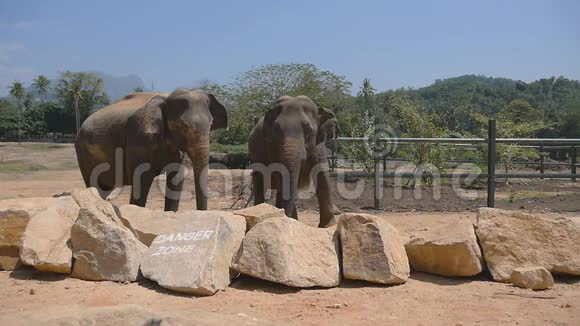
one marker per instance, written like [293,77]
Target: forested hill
[454,100]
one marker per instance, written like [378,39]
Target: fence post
[333,155]
[376,203]
[491,163]
[542,159]
[573,161]
[385,163]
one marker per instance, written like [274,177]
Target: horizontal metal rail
[358,174]
[470,161]
[395,159]
[543,144]
[466,141]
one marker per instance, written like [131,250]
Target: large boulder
[14,217]
[512,239]
[46,241]
[195,252]
[533,277]
[259,213]
[449,250]
[284,250]
[103,248]
[372,250]
[145,223]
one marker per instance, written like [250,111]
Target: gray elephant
[143,135]
[287,152]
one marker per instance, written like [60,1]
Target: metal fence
[491,141]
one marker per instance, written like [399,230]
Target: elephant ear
[327,125]
[151,119]
[218,112]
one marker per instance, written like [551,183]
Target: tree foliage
[42,85]
[81,92]
[8,118]
[40,118]
[456,100]
[366,95]
[17,91]
[255,91]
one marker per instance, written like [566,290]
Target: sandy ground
[424,300]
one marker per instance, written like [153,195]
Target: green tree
[411,119]
[367,92]
[407,118]
[261,87]
[570,126]
[138,90]
[517,120]
[255,91]
[18,92]
[58,120]
[82,92]
[520,111]
[42,85]
[8,118]
[34,120]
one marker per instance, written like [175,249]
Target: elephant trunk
[291,158]
[198,153]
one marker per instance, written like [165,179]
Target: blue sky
[395,44]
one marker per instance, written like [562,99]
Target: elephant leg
[323,195]
[286,194]
[173,187]
[319,174]
[289,205]
[200,161]
[140,189]
[258,187]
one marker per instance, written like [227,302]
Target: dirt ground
[45,169]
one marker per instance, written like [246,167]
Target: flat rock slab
[14,217]
[259,213]
[449,250]
[145,223]
[103,248]
[512,239]
[372,250]
[286,251]
[46,241]
[195,252]
[534,277]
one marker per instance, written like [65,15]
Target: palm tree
[138,90]
[367,91]
[17,90]
[71,85]
[74,87]
[41,84]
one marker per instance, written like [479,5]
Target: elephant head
[328,127]
[299,121]
[186,117]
